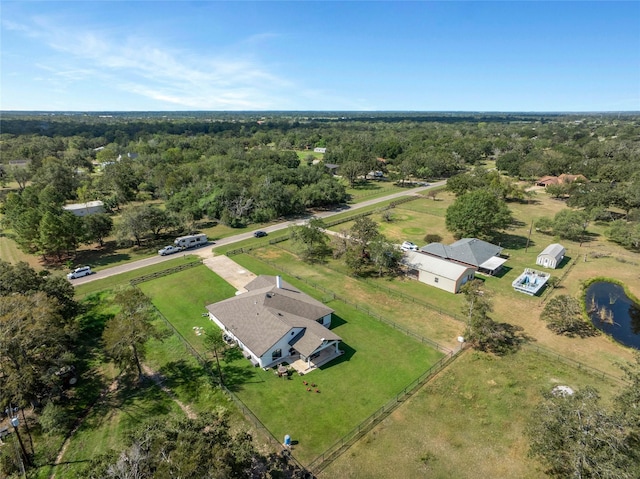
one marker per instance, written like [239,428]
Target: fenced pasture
[466,423]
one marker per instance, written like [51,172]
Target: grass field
[369,190]
[185,310]
[352,387]
[123,279]
[468,422]
[10,253]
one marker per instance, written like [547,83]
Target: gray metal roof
[467,250]
[432,264]
[265,314]
[555,250]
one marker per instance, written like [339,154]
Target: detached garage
[552,256]
[437,272]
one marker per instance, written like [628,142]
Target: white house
[84,209]
[275,322]
[438,272]
[319,150]
[551,256]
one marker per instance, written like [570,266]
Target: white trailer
[191,241]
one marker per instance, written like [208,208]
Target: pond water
[612,312]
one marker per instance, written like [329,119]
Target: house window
[276,354]
[435,280]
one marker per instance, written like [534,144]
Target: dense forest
[249,167]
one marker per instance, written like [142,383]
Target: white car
[409,246]
[79,272]
[169,250]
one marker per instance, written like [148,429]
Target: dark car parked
[259,234]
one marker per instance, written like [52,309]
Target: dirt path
[159,380]
[156,377]
[110,389]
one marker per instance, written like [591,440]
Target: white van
[79,272]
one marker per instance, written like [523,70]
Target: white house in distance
[551,256]
[84,209]
[438,272]
[274,322]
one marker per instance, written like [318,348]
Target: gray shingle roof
[467,250]
[262,316]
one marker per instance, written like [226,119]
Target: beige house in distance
[438,272]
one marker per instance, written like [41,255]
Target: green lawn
[123,279]
[466,423]
[352,387]
[182,298]
[370,190]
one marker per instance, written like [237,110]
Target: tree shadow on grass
[509,241]
[234,376]
[143,402]
[181,374]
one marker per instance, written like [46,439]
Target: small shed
[551,256]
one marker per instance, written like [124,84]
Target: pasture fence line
[164,272]
[206,366]
[547,292]
[349,439]
[332,296]
[572,362]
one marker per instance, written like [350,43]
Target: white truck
[191,241]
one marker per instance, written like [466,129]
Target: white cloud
[145,67]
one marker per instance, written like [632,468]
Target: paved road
[206,251]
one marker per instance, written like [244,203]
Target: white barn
[551,256]
[438,272]
[84,209]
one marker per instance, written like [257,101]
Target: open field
[371,189]
[468,422]
[365,378]
[10,253]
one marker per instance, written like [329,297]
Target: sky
[535,56]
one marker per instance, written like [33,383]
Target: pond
[612,312]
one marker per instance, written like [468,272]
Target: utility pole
[15,422]
[528,237]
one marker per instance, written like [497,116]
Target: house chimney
[278,282]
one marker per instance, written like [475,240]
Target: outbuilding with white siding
[438,272]
[551,256]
